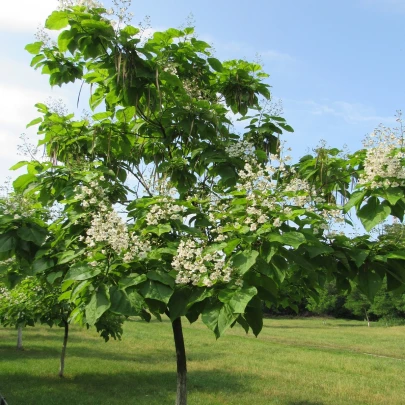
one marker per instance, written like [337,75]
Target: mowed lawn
[292,362]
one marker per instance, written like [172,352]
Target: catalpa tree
[166,209]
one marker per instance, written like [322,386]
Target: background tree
[32,302]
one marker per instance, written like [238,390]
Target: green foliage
[212,223]
[30,302]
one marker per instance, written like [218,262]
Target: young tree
[358,304]
[209,220]
[32,302]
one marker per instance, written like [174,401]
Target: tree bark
[3,400]
[19,338]
[63,354]
[181,362]
[368,321]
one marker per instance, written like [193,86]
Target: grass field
[293,362]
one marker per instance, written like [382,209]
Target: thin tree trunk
[63,354]
[19,338]
[181,363]
[3,400]
[368,321]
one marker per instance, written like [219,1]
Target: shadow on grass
[320,326]
[305,403]
[140,388]
[293,327]
[78,351]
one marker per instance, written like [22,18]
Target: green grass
[293,362]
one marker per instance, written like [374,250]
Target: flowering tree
[30,302]
[26,301]
[166,209]
[16,311]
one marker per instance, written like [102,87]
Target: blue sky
[336,66]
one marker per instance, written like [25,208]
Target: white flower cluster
[108,228]
[301,192]
[4,294]
[170,68]
[242,149]
[18,207]
[271,201]
[93,195]
[13,297]
[194,90]
[42,36]
[120,10]
[383,163]
[63,4]
[195,266]
[164,212]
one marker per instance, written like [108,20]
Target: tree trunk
[368,321]
[181,363]
[63,354]
[19,338]
[3,400]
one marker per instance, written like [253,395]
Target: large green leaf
[369,283]
[80,271]
[64,40]
[34,48]
[398,254]
[159,229]
[156,291]
[279,266]
[268,250]
[99,303]
[162,276]
[126,114]
[34,122]
[243,261]
[254,317]
[226,318]
[355,200]
[210,314]
[21,182]
[57,20]
[132,280]
[373,213]
[215,64]
[294,239]
[178,302]
[32,233]
[42,264]
[393,194]
[123,303]
[7,241]
[358,256]
[237,299]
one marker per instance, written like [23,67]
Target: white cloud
[25,15]
[8,154]
[238,48]
[350,112]
[17,104]
[21,88]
